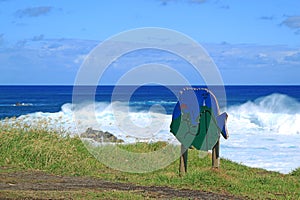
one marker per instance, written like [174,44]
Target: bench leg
[216,155]
[183,161]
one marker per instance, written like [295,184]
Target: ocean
[263,121]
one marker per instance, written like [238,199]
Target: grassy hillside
[24,149]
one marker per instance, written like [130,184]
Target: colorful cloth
[196,120]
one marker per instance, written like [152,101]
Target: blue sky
[251,41]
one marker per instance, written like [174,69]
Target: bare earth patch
[40,181]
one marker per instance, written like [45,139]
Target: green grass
[85,194]
[35,149]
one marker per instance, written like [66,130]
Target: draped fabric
[196,120]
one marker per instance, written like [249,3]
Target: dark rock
[100,136]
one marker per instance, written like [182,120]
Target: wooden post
[216,155]
[183,161]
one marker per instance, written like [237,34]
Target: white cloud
[293,58]
[64,56]
[292,22]
[33,11]
[38,37]
[253,56]
[226,7]
[267,18]
[79,59]
[21,43]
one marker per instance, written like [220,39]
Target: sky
[251,41]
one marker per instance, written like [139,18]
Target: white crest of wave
[116,118]
[254,126]
[275,114]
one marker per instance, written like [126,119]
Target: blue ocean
[263,121]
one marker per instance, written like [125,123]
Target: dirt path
[39,181]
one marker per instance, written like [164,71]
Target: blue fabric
[190,102]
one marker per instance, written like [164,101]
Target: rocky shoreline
[100,136]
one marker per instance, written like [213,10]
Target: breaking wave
[276,114]
[262,133]
[265,133]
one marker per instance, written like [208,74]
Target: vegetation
[86,194]
[26,148]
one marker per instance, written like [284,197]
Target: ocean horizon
[263,120]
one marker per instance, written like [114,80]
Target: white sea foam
[123,123]
[263,133]
[276,114]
